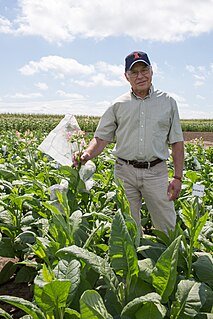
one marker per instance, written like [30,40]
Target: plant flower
[76,138]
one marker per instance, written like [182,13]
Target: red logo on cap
[136,55]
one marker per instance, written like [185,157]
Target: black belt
[142,164]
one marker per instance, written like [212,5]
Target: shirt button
[141,139]
[141,125]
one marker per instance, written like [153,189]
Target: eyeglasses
[134,74]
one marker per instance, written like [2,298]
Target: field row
[45,123]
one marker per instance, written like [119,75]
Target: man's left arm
[174,187]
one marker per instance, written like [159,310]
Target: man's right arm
[94,148]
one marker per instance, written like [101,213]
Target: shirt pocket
[160,124]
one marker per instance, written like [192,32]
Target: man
[143,121]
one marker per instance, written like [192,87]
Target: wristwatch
[177,177]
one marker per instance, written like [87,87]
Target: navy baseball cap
[137,56]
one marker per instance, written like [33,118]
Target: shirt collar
[151,90]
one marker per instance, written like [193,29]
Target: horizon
[83,115]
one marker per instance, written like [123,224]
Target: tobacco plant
[87,256]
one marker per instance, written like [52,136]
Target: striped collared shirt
[142,128]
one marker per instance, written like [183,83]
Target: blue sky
[67,56]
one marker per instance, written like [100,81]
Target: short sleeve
[175,133]
[107,126]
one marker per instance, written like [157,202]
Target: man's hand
[174,189]
[95,147]
[80,158]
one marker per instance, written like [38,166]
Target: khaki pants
[151,184]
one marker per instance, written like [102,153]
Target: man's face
[140,78]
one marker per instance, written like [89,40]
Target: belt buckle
[136,164]
[142,164]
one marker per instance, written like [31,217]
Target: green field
[77,246]
[197,125]
[46,123]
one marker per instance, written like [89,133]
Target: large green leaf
[60,222]
[141,288]
[52,208]
[205,237]
[204,269]
[189,298]
[188,215]
[24,305]
[69,270]
[146,267]
[53,295]
[92,306]
[207,307]
[150,249]
[99,264]
[101,267]
[7,271]
[19,200]
[71,314]
[8,175]
[69,172]
[26,237]
[76,222]
[121,249]
[26,274]
[6,245]
[165,270]
[193,176]
[151,310]
[147,307]
[201,222]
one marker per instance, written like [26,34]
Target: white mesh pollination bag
[58,146]
[56,143]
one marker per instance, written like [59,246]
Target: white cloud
[198,83]
[158,72]
[179,99]
[186,111]
[74,96]
[190,68]
[111,69]
[56,64]
[200,97]
[99,80]
[199,77]
[25,96]
[199,74]
[64,20]
[199,80]
[42,86]
[99,74]
[5,25]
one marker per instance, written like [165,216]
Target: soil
[207,137]
[24,290]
